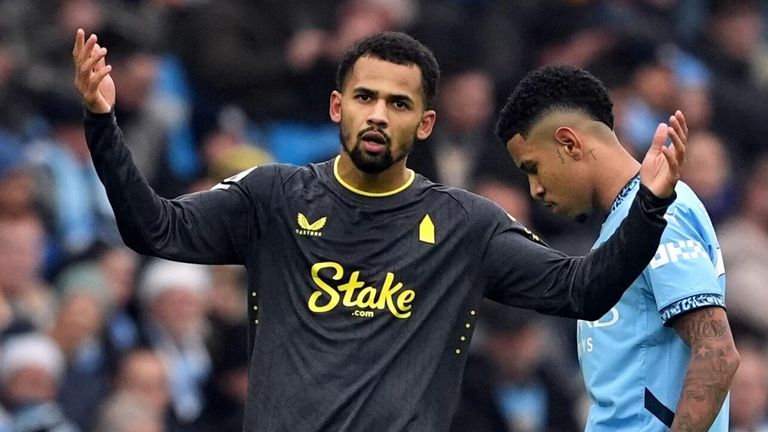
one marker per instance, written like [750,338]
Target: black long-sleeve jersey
[362,306]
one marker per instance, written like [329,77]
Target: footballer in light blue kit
[632,359]
[663,357]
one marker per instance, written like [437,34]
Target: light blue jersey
[633,362]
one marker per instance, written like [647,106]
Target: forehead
[541,133]
[523,149]
[380,75]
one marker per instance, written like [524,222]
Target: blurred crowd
[96,338]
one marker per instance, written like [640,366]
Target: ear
[427,123]
[335,106]
[569,142]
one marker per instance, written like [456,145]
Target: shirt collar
[625,191]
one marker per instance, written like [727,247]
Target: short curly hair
[551,88]
[398,48]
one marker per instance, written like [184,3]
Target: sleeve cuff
[653,204]
[690,303]
[90,115]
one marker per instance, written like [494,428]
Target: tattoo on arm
[710,370]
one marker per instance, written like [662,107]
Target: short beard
[369,164]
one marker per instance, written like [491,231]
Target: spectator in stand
[708,173]
[314,54]
[744,242]
[139,70]
[462,144]
[30,372]
[749,391]
[235,53]
[16,180]
[67,186]
[142,377]
[21,281]
[653,89]
[732,47]
[175,328]
[121,330]
[79,331]
[228,388]
[226,150]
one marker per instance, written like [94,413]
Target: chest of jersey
[366,262]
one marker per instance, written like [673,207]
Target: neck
[391,179]
[614,176]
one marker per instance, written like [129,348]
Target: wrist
[98,107]
[652,202]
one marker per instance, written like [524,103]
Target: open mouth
[374,142]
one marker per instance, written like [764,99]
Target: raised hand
[661,166]
[92,78]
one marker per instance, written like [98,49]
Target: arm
[710,370]
[211,227]
[526,273]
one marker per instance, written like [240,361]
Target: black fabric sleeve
[526,273]
[211,227]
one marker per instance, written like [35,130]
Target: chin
[578,215]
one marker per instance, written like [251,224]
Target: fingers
[681,119]
[677,122]
[679,134]
[97,67]
[98,76]
[679,145]
[79,41]
[97,55]
[102,61]
[90,61]
[90,72]
[85,50]
[672,156]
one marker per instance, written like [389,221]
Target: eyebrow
[392,98]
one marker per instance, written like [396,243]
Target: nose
[537,190]
[378,115]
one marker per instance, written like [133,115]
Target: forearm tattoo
[713,362]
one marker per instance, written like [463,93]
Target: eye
[530,168]
[400,105]
[363,97]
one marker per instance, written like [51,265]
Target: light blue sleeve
[687,272]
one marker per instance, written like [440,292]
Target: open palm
[661,166]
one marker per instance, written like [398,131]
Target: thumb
[659,137]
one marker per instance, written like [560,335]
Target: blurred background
[96,338]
